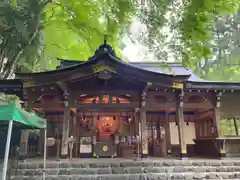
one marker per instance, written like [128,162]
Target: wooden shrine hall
[110,108]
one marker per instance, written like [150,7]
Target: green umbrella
[19,115]
[11,111]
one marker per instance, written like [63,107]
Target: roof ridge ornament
[105,39]
[104,48]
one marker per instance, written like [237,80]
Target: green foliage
[197,25]
[20,34]
[227,127]
[34,32]
[224,66]
[85,24]
[6,99]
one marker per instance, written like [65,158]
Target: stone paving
[126,169]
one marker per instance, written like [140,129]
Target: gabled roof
[103,50]
[151,72]
[105,55]
[171,69]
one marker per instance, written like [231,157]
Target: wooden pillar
[144,131]
[40,143]
[235,126]
[217,119]
[74,133]
[65,127]
[23,144]
[217,115]
[181,124]
[94,122]
[168,135]
[74,125]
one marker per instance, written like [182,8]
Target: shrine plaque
[85,149]
[85,145]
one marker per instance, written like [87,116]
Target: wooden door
[156,139]
[152,136]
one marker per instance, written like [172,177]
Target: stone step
[111,164]
[149,176]
[127,170]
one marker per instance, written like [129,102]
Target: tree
[20,33]
[224,65]
[190,23]
[85,24]
[35,30]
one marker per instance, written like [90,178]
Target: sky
[135,51]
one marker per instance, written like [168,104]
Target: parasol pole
[45,152]
[5,164]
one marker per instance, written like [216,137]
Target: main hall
[106,107]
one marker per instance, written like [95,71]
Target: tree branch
[15,60]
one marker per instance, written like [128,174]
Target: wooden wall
[190,133]
[173,127]
[230,104]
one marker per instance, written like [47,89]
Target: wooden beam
[47,106]
[98,92]
[102,106]
[105,110]
[203,105]
[150,106]
[205,114]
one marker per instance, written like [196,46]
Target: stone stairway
[120,169]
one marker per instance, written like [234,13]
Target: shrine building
[110,108]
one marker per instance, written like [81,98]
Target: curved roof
[147,71]
[102,51]
[171,68]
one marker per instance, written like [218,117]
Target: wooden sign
[28,84]
[85,148]
[177,85]
[102,67]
